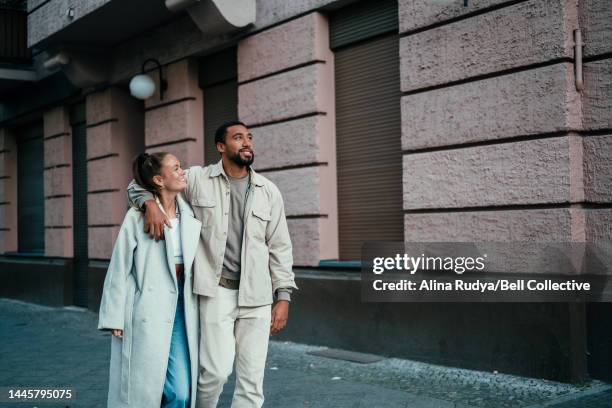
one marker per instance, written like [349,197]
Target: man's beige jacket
[266,259]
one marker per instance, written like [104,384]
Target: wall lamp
[142,85]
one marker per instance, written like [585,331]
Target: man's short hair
[221,130]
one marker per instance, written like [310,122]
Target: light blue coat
[140,296]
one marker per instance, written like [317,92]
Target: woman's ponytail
[145,167]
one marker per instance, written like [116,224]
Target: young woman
[148,303]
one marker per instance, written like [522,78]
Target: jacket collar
[191,228]
[217,170]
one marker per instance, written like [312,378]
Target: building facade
[415,120]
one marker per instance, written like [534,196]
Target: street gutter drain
[351,356]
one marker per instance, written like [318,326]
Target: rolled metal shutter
[14,32]
[220,105]
[30,190]
[368,145]
[79,203]
[218,79]
[362,21]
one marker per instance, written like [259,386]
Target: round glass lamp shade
[142,86]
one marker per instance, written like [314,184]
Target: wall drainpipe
[578,60]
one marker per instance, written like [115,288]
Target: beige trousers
[229,332]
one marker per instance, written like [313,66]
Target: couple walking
[184,308]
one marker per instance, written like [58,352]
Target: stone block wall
[175,124]
[115,131]
[519,35]
[58,183]
[498,143]
[595,18]
[537,101]
[286,97]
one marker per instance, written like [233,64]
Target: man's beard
[240,161]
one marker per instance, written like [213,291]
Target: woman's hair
[145,167]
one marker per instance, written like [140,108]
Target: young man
[244,256]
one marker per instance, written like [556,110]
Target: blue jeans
[177,388]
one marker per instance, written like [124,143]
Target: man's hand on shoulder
[155,220]
[280,315]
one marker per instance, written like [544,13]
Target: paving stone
[44,346]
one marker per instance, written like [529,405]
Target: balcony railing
[13,31]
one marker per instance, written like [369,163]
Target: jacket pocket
[203,202]
[261,218]
[204,209]
[262,214]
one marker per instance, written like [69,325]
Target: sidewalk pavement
[46,347]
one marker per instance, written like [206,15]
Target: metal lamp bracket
[163,84]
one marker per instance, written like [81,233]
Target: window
[30,189]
